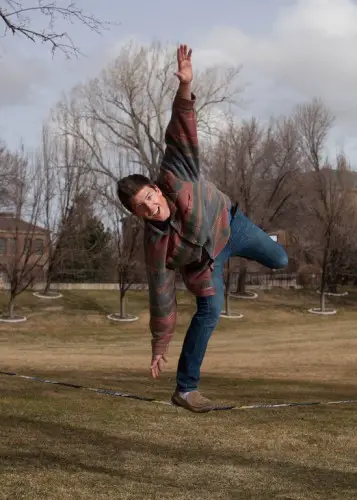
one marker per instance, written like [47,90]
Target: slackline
[111,392]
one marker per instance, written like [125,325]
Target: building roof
[11,224]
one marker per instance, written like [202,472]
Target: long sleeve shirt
[197,231]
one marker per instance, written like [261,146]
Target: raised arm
[181,155]
[184,72]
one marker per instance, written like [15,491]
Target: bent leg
[251,242]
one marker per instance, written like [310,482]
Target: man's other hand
[157,364]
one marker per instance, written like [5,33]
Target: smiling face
[150,204]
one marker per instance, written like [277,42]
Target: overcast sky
[291,51]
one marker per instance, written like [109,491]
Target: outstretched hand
[157,364]
[184,73]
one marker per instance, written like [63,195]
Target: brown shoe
[194,402]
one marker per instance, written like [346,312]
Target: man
[192,226]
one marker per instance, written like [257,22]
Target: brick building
[22,244]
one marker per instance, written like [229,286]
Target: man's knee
[281,260]
[210,308]
[217,310]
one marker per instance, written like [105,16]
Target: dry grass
[62,443]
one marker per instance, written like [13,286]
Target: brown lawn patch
[62,443]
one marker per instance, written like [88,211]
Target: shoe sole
[186,406]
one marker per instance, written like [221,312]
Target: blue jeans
[248,241]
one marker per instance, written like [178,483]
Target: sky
[290,51]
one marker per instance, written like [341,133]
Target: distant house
[22,243]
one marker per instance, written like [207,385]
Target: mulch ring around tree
[5,318]
[333,294]
[231,315]
[48,295]
[325,312]
[127,318]
[246,295]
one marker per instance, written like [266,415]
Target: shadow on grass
[74,448]
[103,301]
[84,302]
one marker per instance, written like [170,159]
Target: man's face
[150,204]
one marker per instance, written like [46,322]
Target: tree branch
[18,21]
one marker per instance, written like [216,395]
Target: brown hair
[127,187]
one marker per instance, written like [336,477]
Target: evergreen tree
[85,245]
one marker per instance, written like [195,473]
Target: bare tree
[25,257]
[215,161]
[38,22]
[65,178]
[8,171]
[127,232]
[344,251]
[128,106]
[282,163]
[328,209]
[256,165]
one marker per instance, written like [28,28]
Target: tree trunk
[331,279]
[228,286]
[48,284]
[322,299]
[10,306]
[324,277]
[243,268]
[226,304]
[122,304]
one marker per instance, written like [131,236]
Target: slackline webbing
[111,392]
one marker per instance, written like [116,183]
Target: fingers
[154,369]
[157,366]
[162,363]
[182,53]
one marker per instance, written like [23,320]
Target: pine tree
[85,245]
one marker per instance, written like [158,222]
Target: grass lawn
[63,443]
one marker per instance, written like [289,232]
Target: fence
[260,280]
[254,280]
